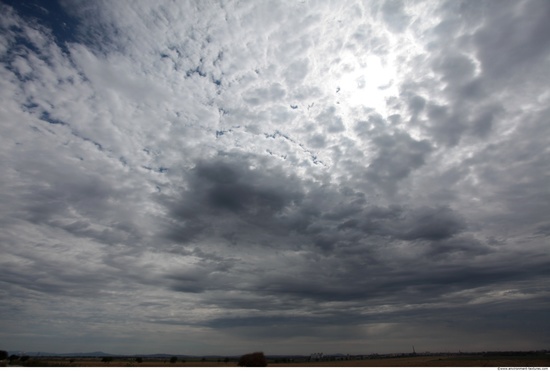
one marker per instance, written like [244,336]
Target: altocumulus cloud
[218,176]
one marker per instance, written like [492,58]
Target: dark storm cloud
[430,224]
[398,155]
[543,229]
[401,223]
[233,189]
[46,279]
[425,290]
[231,198]
[233,192]
[458,246]
[219,205]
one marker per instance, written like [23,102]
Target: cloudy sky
[219,177]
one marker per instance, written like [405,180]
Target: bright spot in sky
[366,82]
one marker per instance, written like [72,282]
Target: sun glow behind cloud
[364,81]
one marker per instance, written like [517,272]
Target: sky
[222,177]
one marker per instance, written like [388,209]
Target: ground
[534,360]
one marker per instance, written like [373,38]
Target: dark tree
[253,360]
[3,355]
[173,359]
[139,359]
[13,357]
[24,358]
[106,359]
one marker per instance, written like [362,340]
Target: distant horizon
[162,354]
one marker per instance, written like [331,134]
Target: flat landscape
[447,361]
[532,360]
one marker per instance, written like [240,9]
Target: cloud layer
[214,177]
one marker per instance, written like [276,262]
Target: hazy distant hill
[98,354]
[48,354]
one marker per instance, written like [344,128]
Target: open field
[121,362]
[532,360]
[444,361]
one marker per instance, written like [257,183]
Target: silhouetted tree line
[256,359]
[13,359]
